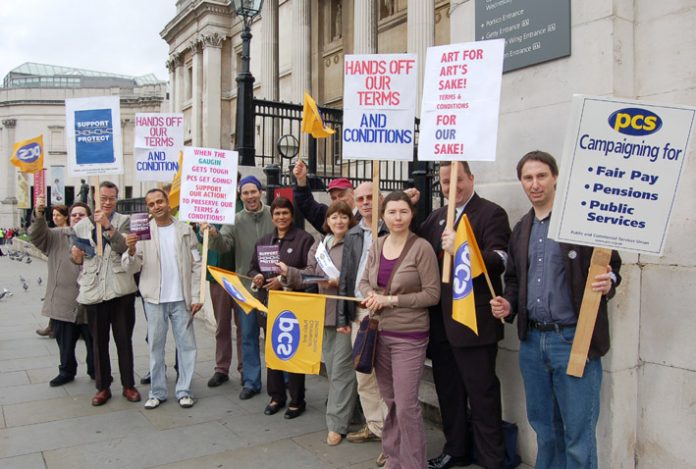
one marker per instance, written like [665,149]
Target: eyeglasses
[108,199]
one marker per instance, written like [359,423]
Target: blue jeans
[562,409]
[251,365]
[158,317]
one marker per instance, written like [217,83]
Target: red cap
[340,183]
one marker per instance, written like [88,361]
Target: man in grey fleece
[252,222]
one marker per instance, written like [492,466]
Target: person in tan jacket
[170,273]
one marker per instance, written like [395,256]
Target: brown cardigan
[416,285]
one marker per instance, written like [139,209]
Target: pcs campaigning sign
[621,168]
[28,155]
[295,331]
[379,102]
[461,99]
[158,140]
[93,128]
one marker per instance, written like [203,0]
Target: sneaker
[362,435]
[152,403]
[186,402]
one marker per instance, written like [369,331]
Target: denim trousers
[563,410]
[251,365]
[158,318]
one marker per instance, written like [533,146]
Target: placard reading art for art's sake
[620,172]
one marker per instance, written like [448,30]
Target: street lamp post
[247,10]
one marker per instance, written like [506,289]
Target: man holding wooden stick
[170,266]
[464,361]
[544,286]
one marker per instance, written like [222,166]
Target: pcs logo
[463,282]
[29,152]
[285,335]
[635,121]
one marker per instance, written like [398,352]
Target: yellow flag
[295,331]
[311,119]
[468,264]
[233,285]
[175,190]
[28,155]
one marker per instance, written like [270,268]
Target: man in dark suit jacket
[544,287]
[463,362]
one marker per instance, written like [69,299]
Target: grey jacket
[347,282]
[105,278]
[61,286]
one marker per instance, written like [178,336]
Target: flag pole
[97,203]
[451,206]
[375,199]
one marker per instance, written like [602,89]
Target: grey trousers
[336,351]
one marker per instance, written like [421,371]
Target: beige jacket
[105,278]
[147,260]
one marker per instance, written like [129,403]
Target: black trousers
[67,334]
[275,381]
[467,374]
[117,315]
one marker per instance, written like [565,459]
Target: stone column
[212,89]
[301,59]
[269,50]
[9,196]
[365,27]
[171,66]
[421,35]
[180,90]
[196,93]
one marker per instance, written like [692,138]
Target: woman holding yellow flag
[323,268]
[401,280]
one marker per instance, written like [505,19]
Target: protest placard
[208,185]
[620,171]
[159,137]
[268,257]
[461,100]
[379,105]
[140,225]
[39,186]
[93,133]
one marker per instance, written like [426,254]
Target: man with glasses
[107,292]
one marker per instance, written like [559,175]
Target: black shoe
[293,413]
[60,380]
[247,393]
[445,461]
[217,379]
[145,379]
[273,408]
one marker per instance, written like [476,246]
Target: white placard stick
[204,264]
[97,205]
[451,206]
[375,200]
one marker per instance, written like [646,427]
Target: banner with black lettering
[159,137]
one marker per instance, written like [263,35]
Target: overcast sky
[116,36]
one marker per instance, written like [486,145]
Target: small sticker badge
[572,254]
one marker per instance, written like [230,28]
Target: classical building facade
[32,102]
[637,49]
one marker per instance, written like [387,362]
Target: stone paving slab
[49,410]
[29,392]
[13,378]
[25,461]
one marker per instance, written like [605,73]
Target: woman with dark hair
[60,215]
[401,280]
[325,259]
[293,246]
[60,303]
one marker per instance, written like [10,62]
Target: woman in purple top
[400,282]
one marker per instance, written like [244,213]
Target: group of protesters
[396,277]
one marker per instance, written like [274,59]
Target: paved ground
[44,427]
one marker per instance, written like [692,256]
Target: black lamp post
[247,10]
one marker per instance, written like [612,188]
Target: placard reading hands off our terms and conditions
[620,172]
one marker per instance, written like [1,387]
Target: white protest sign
[619,174]
[93,133]
[379,106]
[157,142]
[208,185]
[461,100]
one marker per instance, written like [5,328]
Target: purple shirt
[386,266]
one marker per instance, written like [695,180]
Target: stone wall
[637,49]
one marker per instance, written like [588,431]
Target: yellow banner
[295,331]
[311,119]
[468,264]
[28,155]
[175,189]
[236,289]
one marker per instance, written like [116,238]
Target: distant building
[32,102]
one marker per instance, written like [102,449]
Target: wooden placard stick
[588,314]
[451,206]
[97,206]
[204,264]
[375,200]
